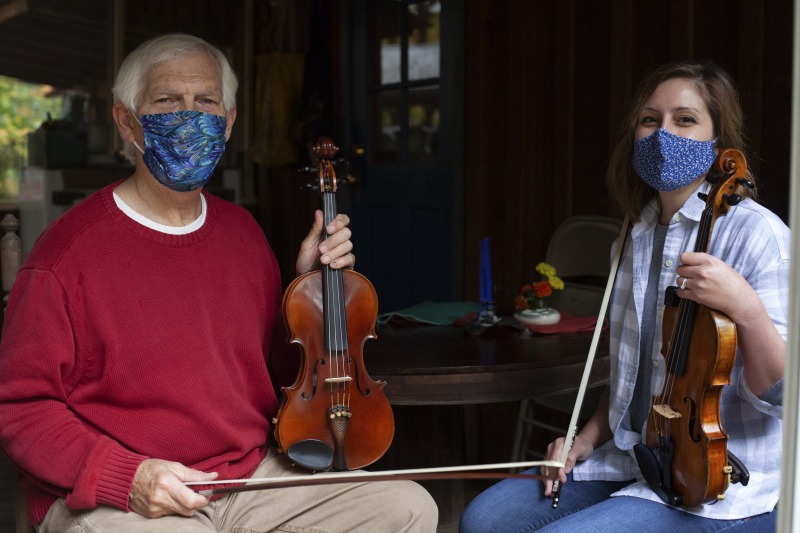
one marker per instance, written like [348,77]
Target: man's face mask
[182,148]
[668,162]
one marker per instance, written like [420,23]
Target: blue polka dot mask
[182,148]
[668,162]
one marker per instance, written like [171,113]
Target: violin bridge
[666,411]
[345,379]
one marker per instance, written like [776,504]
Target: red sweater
[122,343]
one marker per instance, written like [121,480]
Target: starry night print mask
[182,148]
[668,162]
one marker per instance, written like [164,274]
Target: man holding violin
[137,338]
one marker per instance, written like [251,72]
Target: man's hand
[333,251]
[158,489]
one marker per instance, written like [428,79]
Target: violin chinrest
[313,454]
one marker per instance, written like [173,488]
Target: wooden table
[433,365]
[438,378]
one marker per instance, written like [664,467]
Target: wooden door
[403,117]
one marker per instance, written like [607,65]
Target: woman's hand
[581,449]
[709,281]
[335,251]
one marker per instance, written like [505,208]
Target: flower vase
[541,316]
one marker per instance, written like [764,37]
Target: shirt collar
[691,209]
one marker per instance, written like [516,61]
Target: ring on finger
[683,283]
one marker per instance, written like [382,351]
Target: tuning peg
[746,182]
[703,196]
[713,178]
[310,170]
[732,199]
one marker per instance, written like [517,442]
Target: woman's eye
[647,120]
[687,120]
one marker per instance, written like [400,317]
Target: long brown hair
[719,93]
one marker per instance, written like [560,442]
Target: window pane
[423,41]
[423,125]
[384,46]
[386,128]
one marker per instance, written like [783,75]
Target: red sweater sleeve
[37,373]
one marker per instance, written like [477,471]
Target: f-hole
[694,431]
[303,394]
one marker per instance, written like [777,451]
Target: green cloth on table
[436,313]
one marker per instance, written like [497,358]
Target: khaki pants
[377,507]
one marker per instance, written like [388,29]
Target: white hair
[128,85]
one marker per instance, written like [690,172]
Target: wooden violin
[686,461]
[334,416]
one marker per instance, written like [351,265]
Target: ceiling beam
[13,9]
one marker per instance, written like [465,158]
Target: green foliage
[23,107]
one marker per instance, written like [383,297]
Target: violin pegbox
[324,150]
[727,174]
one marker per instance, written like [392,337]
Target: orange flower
[520,302]
[542,289]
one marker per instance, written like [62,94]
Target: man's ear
[230,118]
[124,119]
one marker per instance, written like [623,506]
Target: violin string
[336,295]
[681,333]
[334,322]
[329,309]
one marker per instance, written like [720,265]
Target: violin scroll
[324,148]
[728,175]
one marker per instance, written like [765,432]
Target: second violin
[686,460]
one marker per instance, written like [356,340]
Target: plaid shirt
[755,243]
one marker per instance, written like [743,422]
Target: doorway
[403,127]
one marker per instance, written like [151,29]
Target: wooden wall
[547,83]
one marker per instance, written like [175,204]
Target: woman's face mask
[182,148]
[668,162]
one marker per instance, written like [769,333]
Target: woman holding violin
[683,116]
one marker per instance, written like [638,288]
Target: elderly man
[136,345]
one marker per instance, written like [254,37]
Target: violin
[685,460]
[334,416]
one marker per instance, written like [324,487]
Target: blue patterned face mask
[668,162]
[182,148]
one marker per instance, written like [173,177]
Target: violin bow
[572,430]
[232,486]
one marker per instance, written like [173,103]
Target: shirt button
[668,262]
[678,217]
[655,363]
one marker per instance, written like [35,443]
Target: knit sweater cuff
[115,480]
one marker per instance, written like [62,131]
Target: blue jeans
[519,505]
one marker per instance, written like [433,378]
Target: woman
[683,114]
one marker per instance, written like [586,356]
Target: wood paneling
[546,86]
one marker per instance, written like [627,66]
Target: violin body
[304,414]
[700,471]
